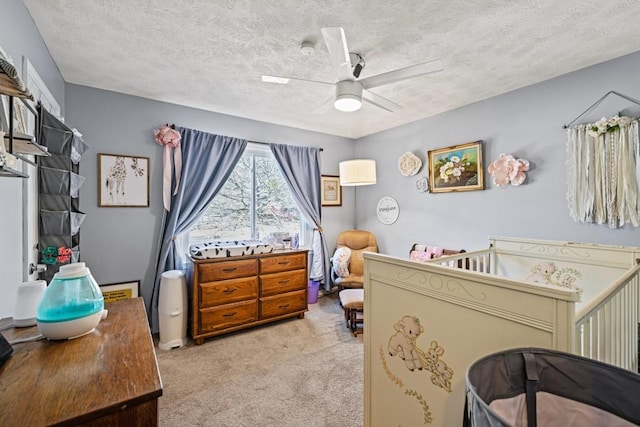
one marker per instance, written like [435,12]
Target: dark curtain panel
[301,169]
[207,162]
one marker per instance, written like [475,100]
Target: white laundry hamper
[172,308]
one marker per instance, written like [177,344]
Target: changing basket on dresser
[234,293]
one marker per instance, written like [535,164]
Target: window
[253,203]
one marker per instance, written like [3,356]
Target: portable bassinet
[529,387]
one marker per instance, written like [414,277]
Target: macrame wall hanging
[604,170]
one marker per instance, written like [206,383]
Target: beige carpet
[296,372]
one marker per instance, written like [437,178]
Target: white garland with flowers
[604,172]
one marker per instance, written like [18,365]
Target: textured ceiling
[211,54]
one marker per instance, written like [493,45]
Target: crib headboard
[586,267]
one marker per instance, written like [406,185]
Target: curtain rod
[269,143]
[628,98]
[173,126]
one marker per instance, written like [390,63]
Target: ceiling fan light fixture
[347,103]
[348,96]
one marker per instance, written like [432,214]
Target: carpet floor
[296,372]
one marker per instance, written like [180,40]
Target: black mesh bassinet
[532,387]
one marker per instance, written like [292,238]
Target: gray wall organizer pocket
[56,140]
[54,181]
[76,221]
[75,254]
[54,223]
[76,183]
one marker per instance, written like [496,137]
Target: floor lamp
[357,172]
[354,173]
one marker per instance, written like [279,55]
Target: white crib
[443,314]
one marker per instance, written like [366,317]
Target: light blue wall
[526,123]
[120,244]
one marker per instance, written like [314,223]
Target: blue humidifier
[72,304]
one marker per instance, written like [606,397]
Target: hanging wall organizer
[59,182]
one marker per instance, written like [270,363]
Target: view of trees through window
[254,202]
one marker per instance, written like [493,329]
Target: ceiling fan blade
[380,101]
[325,107]
[401,74]
[338,51]
[286,80]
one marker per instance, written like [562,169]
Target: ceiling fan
[349,91]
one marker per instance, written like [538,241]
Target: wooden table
[109,377]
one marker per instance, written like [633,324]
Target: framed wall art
[119,291]
[331,191]
[123,181]
[457,168]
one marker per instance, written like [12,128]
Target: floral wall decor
[605,125]
[409,164]
[169,138]
[508,170]
[457,168]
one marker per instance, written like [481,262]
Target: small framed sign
[331,191]
[387,210]
[119,291]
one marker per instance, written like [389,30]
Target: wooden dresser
[108,377]
[230,294]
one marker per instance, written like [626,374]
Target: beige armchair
[359,241]
[352,300]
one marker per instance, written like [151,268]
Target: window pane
[229,216]
[275,208]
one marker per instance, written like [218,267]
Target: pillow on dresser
[340,261]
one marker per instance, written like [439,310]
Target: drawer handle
[229,291]
[229,314]
[283,282]
[229,270]
[283,306]
[283,262]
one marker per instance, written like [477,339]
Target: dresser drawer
[209,272]
[283,304]
[228,291]
[278,283]
[275,264]
[227,316]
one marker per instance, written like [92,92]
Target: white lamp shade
[357,172]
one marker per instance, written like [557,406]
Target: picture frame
[20,121]
[456,168]
[331,191]
[123,181]
[120,291]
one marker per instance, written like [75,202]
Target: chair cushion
[352,298]
[340,261]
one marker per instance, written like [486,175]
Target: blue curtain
[301,169]
[207,162]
